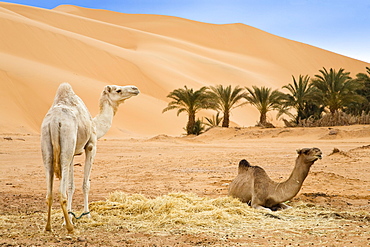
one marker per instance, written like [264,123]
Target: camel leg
[71,189]
[282,206]
[47,154]
[49,195]
[67,147]
[90,151]
[257,204]
[63,199]
[259,207]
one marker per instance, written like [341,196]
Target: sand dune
[88,48]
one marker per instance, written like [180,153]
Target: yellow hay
[171,212]
[189,213]
[180,213]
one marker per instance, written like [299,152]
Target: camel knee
[90,147]
[71,188]
[49,200]
[63,198]
[63,203]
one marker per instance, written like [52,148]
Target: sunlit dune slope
[89,48]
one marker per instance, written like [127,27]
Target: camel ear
[108,89]
[244,163]
[303,151]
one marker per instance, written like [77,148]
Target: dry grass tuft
[335,119]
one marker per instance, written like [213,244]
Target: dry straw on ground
[191,214]
[177,214]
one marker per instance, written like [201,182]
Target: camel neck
[293,184]
[103,121]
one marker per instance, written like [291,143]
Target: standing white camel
[68,130]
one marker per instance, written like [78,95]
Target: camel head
[120,93]
[310,154]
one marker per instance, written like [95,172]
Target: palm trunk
[263,118]
[190,124]
[226,121]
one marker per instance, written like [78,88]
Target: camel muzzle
[318,156]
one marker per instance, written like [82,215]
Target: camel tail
[55,140]
[244,164]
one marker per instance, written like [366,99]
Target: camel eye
[119,91]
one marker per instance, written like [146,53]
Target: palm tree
[364,79]
[226,99]
[214,121]
[265,100]
[189,101]
[302,97]
[337,88]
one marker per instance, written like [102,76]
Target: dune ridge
[91,48]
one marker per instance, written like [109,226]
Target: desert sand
[144,153]
[332,208]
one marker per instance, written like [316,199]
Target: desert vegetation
[330,98]
[190,101]
[224,99]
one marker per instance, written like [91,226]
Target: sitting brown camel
[252,185]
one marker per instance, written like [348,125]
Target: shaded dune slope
[92,48]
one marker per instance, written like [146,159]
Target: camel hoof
[70,229]
[282,206]
[261,208]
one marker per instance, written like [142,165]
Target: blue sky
[341,26]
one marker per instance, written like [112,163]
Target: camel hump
[64,89]
[65,94]
[244,163]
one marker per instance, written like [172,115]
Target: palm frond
[337,88]
[214,121]
[226,99]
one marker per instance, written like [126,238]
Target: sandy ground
[204,165]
